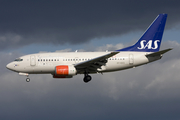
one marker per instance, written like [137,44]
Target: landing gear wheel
[87,78]
[27,79]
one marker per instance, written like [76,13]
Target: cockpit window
[18,59]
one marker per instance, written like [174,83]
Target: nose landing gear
[27,79]
[25,74]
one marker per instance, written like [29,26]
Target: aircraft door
[32,60]
[131,59]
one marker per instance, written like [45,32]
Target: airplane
[68,64]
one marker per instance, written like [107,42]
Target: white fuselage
[43,63]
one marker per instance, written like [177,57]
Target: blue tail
[151,39]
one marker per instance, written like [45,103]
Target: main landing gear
[87,78]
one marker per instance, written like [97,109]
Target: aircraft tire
[87,78]
[27,79]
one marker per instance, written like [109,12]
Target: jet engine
[64,71]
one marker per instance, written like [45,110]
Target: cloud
[146,92]
[65,50]
[110,47]
[77,22]
[10,40]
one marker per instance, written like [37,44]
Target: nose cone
[10,66]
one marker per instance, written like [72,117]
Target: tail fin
[151,39]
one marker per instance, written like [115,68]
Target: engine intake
[64,71]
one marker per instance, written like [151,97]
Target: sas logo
[16,65]
[149,44]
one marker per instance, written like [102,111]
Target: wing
[92,65]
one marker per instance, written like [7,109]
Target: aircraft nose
[9,66]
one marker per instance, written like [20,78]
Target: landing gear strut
[27,79]
[87,78]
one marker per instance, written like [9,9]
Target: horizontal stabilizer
[158,53]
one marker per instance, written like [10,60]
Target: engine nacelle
[64,71]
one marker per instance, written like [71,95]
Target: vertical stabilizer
[150,41]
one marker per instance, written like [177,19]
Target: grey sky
[146,92]
[76,22]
